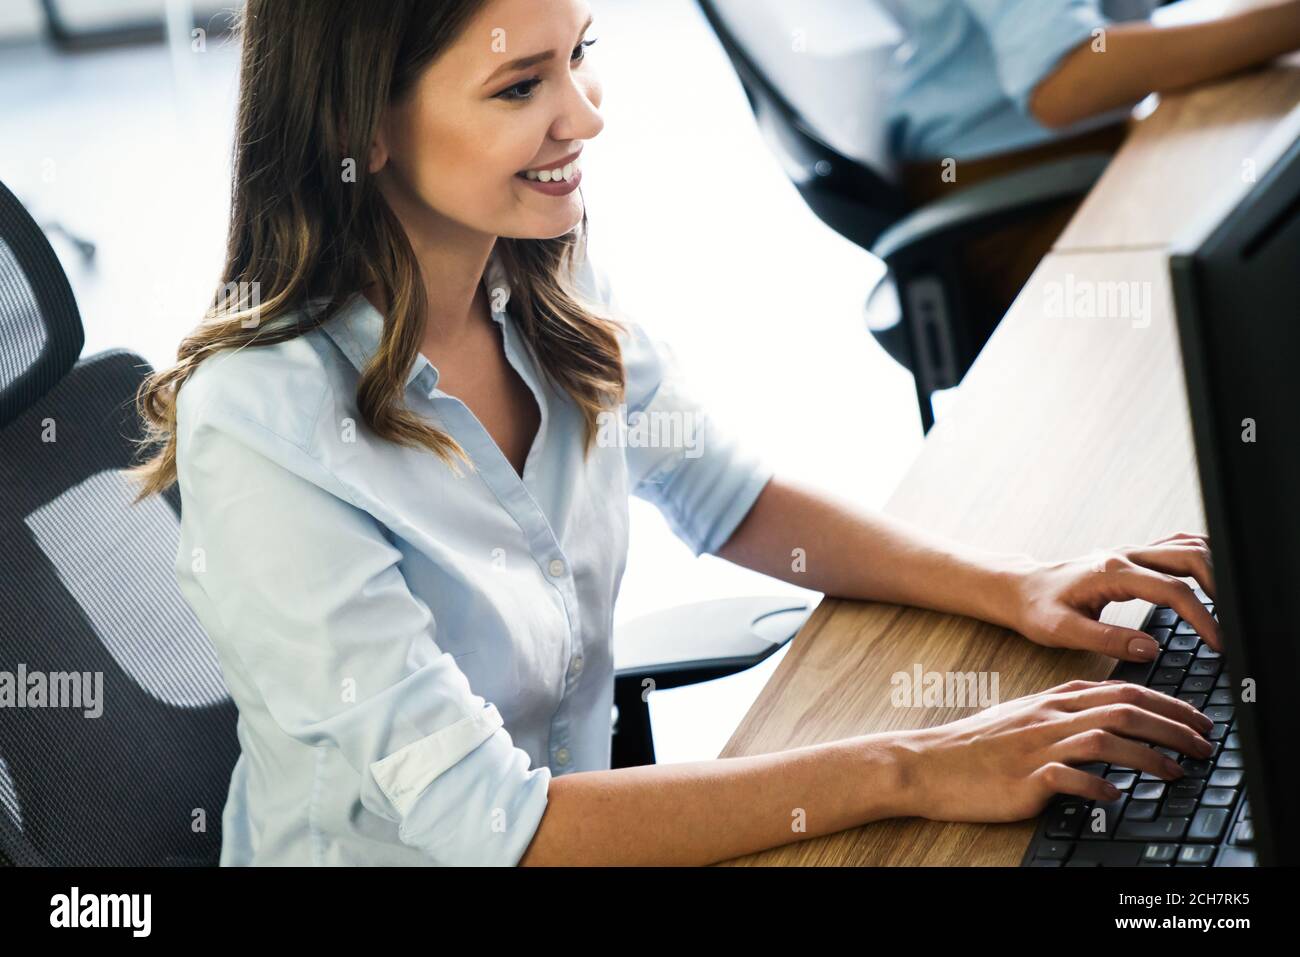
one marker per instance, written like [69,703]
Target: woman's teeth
[553,175]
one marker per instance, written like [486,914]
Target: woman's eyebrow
[525,62]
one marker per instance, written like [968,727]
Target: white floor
[761,302]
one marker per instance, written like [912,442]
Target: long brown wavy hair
[315,78]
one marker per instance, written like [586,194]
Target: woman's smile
[558,179]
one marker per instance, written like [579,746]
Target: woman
[405,513]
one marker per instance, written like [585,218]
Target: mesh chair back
[117,735]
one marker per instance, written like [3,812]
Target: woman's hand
[1005,763]
[1058,604]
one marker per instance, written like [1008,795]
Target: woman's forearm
[1142,58]
[710,811]
[807,538]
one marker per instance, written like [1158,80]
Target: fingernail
[1143,647]
[1205,747]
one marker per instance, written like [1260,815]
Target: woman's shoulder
[278,388]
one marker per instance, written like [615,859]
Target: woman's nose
[580,118]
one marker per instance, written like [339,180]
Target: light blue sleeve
[316,615]
[1030,37]
[701,479]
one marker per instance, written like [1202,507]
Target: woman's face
[514,96]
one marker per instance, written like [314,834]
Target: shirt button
[562,756]
[576,666]
[556,568]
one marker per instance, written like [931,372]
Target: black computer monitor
[1237,293]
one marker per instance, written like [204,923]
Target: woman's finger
[1060,778]
[1185,561]
[1183,537]
[1137,723]
[1097,744]
[1123,692]
[1139,582]
[1078,631]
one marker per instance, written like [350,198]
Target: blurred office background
[126,146]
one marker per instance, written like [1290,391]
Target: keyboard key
[1164,617]
[1231,759]
[1208,824]
[1151,791]
[1184,628]
[1192,854]
[1161,635]
[1159,852]
[1053,851]
[1197,684]
[1235,857]
[1180,659]
[1233,742]
[1107,855]
[1197,701]
[1220,696]
[1205,666]
[1180,807]
[1186,788]
[1065,821]
[1220,713]
[1141,810]
[1218,797]
[1244,833]
[1169,676]
[1184,643]
[1161,829]
[1102,819]
[1218,732]
[1226,778]
[1170,690]
[1195,768]
[1122,779]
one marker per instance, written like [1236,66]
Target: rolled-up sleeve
[309,602]
[1030,37]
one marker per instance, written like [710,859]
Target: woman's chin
[551,227]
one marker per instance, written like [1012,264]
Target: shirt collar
[358,327]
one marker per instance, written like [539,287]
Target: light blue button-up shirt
[414,654]
[970,67]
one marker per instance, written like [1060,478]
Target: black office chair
[935,331]
[87,585]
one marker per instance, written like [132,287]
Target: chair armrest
[688,643]
[990,204]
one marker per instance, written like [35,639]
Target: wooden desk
[1068,435]
[1192,156]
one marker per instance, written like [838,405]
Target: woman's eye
[520,91]
[523,90]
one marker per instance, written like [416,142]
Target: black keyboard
[1200,820]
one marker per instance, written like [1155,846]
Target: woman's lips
[560,187]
